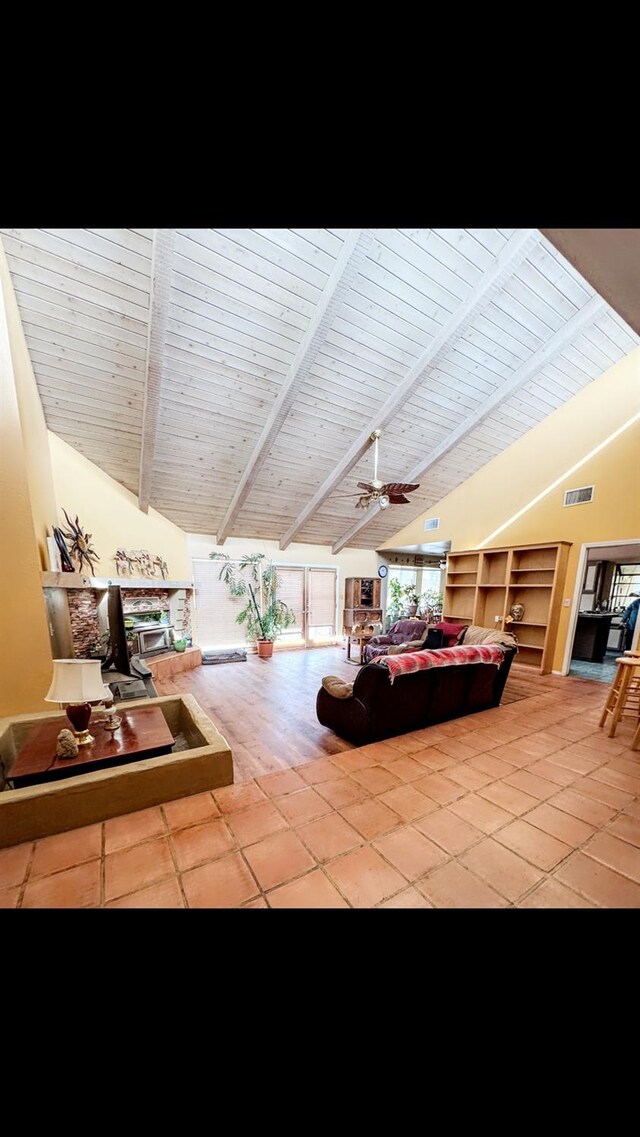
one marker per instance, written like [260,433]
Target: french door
[311,594]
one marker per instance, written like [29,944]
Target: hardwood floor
[266,709]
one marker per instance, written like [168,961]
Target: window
[216,610]
[625,581]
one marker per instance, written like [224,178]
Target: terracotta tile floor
[528,805]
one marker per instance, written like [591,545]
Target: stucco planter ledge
[39,811]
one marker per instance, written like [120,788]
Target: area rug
[224,656]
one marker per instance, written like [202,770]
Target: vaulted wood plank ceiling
[231,378]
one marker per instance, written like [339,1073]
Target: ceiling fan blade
[398,499]
[365,486]
[400,487]
[364,501]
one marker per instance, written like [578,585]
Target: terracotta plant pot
[265,649]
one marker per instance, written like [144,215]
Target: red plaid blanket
[409,661]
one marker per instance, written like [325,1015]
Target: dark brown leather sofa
[379,709]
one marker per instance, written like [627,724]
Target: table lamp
[76,684]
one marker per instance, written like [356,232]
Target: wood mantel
[101,583]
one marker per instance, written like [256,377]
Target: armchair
[404,635]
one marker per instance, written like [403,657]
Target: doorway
[311,593]
[608,574]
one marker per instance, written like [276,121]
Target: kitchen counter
[592,634]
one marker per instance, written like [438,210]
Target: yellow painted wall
[25,657]
[33,426]
[110,513]
[473,513]
[349,562]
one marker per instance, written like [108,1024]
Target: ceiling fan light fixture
[382,493]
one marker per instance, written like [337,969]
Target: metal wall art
[139,562]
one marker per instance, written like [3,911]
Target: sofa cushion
[450,632]
[337,687]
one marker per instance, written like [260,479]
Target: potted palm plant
[263,616]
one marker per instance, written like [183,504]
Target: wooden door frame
[577,593]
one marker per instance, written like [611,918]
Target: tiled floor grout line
[25,881]
[402,823]
[177,872]
[103,865]
[364,842]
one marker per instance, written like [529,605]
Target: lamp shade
[76,681]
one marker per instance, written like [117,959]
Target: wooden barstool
[624,694]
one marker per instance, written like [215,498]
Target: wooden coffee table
[143,733]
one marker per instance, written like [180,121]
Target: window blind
[322,603]
[291,590]
[216,609]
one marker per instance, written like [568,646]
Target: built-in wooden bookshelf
[483,585]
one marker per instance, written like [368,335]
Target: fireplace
[149,639]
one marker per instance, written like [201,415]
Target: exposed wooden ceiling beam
[161,266]
[533,365]
[514,251]
[342,276]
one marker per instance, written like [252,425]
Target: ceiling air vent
[432,523]
[579,497]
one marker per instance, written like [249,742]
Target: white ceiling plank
[240,303]
[64,351]
[69,368]
[206,250]
[70,244]
[82,339]
[161,267]
[252,241]
[514,251]
[107,305]
[73,272]
[42,296]
[537,361]
[345,270]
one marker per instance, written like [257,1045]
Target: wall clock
[383,570]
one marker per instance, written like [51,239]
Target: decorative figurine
[66,745]
[517,611]
[80,543]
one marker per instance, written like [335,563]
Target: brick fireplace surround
[85,620]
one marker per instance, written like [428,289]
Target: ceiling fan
[382,493]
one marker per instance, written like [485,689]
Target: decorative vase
[517,611]
[412,609]
[265,649]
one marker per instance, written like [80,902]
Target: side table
[360,641]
